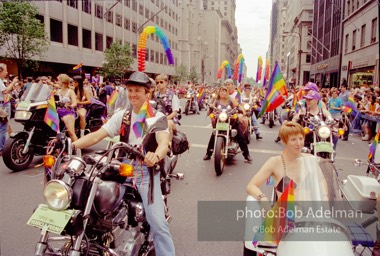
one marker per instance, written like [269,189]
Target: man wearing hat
[138,86]
[247,95]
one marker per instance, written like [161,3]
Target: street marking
[272,152]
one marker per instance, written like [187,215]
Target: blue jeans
[155,213]
[255,123]
[3,134]
[196,104]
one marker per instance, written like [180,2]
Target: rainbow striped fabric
[276,90]
[79,66]
[146,111]
[275,225]
[238,95]
[201,96]
[7,99]
[51,116]
[372,148]
[112,99]
[351,106]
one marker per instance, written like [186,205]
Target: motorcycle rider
[193,91]
[247,95]
[83,100]
[224,100]
[138,86]
[167,101]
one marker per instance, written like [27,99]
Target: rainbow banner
[79,66]
[238,96]
[201,96]
[238,68]
[276,90]
[259,69]
[225,64]
[141,47]
[351,106]
[372,148]
[266,72]
[145,112]
[51,116]
[7,99]
[112,99]
[275,225]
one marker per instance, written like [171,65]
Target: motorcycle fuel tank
[108,197]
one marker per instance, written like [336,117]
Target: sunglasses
[160,82]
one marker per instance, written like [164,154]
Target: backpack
[180,143]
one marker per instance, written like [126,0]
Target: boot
[258,137]
[277,139]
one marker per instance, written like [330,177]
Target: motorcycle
[319,136]
[191,97]
[225,147]
[248,114]
[21,147]
[93,206]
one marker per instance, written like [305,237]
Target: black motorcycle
[92,205]
[191,97]
[22,146]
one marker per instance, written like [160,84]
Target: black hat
[139,78]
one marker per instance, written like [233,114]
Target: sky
[253,24]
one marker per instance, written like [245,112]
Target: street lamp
[299,52]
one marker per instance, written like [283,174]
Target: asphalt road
[21,192]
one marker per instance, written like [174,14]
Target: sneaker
[258,137]
[248,158]
[207,157]
[277,139]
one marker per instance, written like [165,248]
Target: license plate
[324,147]
[222,126]
[53,221]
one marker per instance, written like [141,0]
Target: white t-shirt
[113,126]
[2,88]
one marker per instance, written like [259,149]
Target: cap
[311,86]
[229,80]
[78,78]
[313,95]
[247,86]
[139,78]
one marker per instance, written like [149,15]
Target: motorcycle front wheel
[219,160]
[13,157]
[187,108]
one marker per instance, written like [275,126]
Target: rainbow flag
[51,116]
[79,66]
[238,95]
[112,99]
[201,96]
[145,112]
[275,225]
[266,72]
[276,90]
[372,148]
[351,106]
[259,69]
[7,99]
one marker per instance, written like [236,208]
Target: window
[86,34]
[134,5]
[151,55]
[127,24]
[86,6]
[362,40]
[157,57]
[308,58]
[161,58]
[127,3]
[147,55]
[40,18]
[373,30]
[348,8]
[346,44]
[308,47]
[99,11]
[354,40]
[134,50]
[147,13]
[141,9]
[118,20]
[110,16]
[98,42]
[109,41]
[73,3]
[56,34]
[134,27]
[72,35]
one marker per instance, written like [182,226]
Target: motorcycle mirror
[219,107]
[154,124]
[357,162]
[228,107]
[153,103]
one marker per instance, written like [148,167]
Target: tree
[193,75]
[22,35]
[180,74]
[118,59]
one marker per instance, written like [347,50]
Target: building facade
[326,42]
[360,51]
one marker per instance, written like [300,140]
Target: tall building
[360,46]
[326,42]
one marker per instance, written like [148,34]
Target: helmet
[229,80]
[139,78]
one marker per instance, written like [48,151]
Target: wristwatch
[261,196]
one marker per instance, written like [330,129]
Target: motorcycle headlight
[23,115]
[324,132]
[57,195]
[246,106]
[223,116]
[188,96]
[197,94]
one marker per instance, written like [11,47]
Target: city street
[21,192]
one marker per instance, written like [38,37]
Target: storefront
[359,74]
